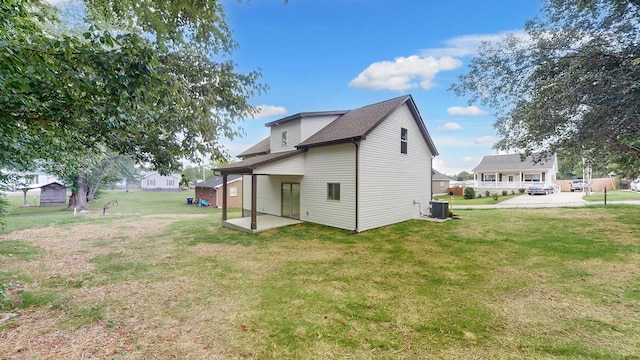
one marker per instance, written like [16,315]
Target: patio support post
[224,197]
[254,202]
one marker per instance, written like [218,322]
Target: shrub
[513,192]
[487,193]
[495,196]
[469,193]
[521,190]
[504,193]
[479,196]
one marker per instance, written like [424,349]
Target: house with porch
[511,172]
[355,169]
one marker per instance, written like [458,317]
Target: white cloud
[265,111]
[485,139]
[450,126]
[466,111]
[467,45]
[452,165]
[404,73]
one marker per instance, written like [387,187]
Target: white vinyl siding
[157,182]
[312,125]
[390,181]
[289,166]
[293,136]
[329,164]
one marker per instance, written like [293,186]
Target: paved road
[562,199]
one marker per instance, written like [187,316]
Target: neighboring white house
[355,170]
[509,171]
[155,181]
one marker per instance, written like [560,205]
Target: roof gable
[357,124]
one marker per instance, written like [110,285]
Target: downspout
[431,183]
[357,181]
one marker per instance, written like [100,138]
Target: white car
[635,185]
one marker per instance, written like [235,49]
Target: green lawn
[613,195]
[156,278]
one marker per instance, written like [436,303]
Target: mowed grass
[169,282]
[613,195]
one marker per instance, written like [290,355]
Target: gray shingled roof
[303,115]
[353,125]
[261,148]
[437,175]
[357,124]
[216,181]
[512,162]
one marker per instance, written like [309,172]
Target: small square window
[233,191]
[284,138]
[333,191]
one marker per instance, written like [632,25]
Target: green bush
[505,193]
[487,193]
[469,193]
[521,190]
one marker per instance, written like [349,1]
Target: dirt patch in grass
[97,316]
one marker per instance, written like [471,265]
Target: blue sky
[318,55]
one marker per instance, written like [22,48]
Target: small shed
[53,194]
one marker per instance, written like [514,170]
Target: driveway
[560,199]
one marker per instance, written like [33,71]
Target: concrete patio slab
[263,222]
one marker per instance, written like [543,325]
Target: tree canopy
[570,84]
[151,83]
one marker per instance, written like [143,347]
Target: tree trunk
[78,198]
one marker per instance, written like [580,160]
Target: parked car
[578,184]
[539,190]
[635,185]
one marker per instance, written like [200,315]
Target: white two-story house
[356,170]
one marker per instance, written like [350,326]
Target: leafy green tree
[570,84]
[464,175]
[148,87]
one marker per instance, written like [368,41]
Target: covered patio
[263,223]
[255,222]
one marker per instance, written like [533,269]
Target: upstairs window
[284,138]
[403,140]
[333,191]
